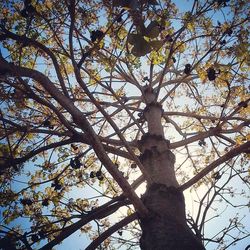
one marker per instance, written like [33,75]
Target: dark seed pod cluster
[47,124]
[56,184]
[187,69]
[75,163]
[98,174]
[96,35]
[211,74]
[26,201]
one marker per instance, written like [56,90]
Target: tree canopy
[76,81]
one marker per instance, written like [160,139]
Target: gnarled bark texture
[165,228]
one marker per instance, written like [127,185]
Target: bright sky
[80,241]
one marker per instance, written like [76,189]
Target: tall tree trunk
[166,227]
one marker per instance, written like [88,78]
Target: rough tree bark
[166,227]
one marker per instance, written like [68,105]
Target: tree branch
[36,44]
[231,154]
[95,243]
[83,123]
[97,213]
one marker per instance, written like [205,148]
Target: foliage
[73,75]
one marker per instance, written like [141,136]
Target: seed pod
[96,35]
[187,69]
[211,74]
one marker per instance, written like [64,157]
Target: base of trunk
[166,228]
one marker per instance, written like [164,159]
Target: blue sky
[79,241]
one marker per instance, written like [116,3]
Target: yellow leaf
[129,211]
[201,73]
[29,136]
[239,140]
[5,12]
[48,4]
[248,137]
[191,26]
[207,159]
[156,57]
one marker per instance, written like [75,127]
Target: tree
[99,97]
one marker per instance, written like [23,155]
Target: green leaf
[152,30]
[141,48]
[129,211]
[156,45]
[133,38]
